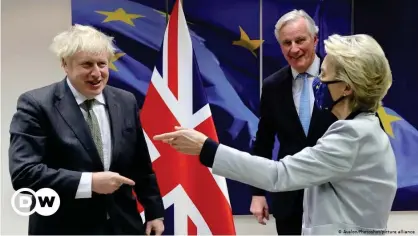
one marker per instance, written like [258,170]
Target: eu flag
[404,140]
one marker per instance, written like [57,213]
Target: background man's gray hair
[292,16]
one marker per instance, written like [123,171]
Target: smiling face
[297,44]
[87,72]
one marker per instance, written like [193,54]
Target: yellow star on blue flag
[246,42]
[387,120]
[115,58]
[120,15]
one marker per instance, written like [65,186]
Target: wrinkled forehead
[295,29]
[90,56]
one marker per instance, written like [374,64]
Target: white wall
[27,29]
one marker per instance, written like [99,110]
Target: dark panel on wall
[394,25]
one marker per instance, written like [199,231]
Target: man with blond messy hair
[83,139]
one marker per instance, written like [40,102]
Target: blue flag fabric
[404,140]
[330,21]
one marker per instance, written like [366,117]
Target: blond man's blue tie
[305,103]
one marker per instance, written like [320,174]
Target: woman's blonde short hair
[360,61]
[82,38]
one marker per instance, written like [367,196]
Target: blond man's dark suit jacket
[50,146]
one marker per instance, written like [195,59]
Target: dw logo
[47,202]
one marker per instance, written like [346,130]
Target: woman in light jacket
[349,176]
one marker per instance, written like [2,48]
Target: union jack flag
[196,201]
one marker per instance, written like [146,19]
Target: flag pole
[166,12]
[352,17]
[261,47]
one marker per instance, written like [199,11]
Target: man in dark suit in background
[84,140]
[287,111]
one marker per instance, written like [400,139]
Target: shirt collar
[80,98]
[313,70]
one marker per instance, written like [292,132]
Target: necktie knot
[89,104]
[302,76]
